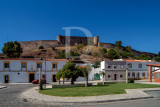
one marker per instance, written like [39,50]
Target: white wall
[15,68]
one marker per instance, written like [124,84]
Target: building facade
[134,69]
[114,70]
[21,70]
[137,69]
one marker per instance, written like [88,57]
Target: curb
[101,101]
[144,96]
[1,87]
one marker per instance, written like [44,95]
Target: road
[9,97]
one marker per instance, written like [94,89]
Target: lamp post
[126,75]
[103,74]
[45,73]
[45,70]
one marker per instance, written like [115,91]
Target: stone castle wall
[31,45]
[73,40]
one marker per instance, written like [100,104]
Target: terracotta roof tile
[34,59]
[131,60]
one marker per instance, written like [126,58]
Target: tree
[41,47]
[112,54]
[128,48]
[126,55]
[144,57]
[96,64]
[12,49]
[70,71]
[61,55]
[85,71]
[118,43]
[53,48]
[158,54]
[103,51]
[157,58]
[103,75]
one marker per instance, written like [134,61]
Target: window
[115,66]
[43,76]
[121,66]
[143,74]
[129,74]
[139,65]
[54,67]
[109,76]
[133,75]
[6,65]
[24,65]
[109,66]
[39,65]
[121,76]
[129,65]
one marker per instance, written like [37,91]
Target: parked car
[37,81]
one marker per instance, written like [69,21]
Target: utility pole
[126,75]
[39,76]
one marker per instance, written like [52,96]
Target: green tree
[70,71]
[12,49]
[60,55]
[144,57]
[103,51]
[112,54]
[103,75]
[118,43]
[96,64]
[85,71]
[158,54]
[128,48]
[157,58]
[126,55]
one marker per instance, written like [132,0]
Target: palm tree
[103,75]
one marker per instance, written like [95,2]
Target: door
[54,78]
[31,77]
[6,79]
[96,76]
[115,76]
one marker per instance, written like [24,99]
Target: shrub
[131,81]
[53,48]
[80,46]
[41,47]
[68,86]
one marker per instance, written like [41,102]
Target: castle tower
[96,40]
[59,38]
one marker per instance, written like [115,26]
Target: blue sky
[135,22]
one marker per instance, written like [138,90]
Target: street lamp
[45,70]
[126,75]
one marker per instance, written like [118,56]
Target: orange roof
[34,59]
[132,60]
[153,65]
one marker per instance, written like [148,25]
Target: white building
[22,70]
[137,69]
